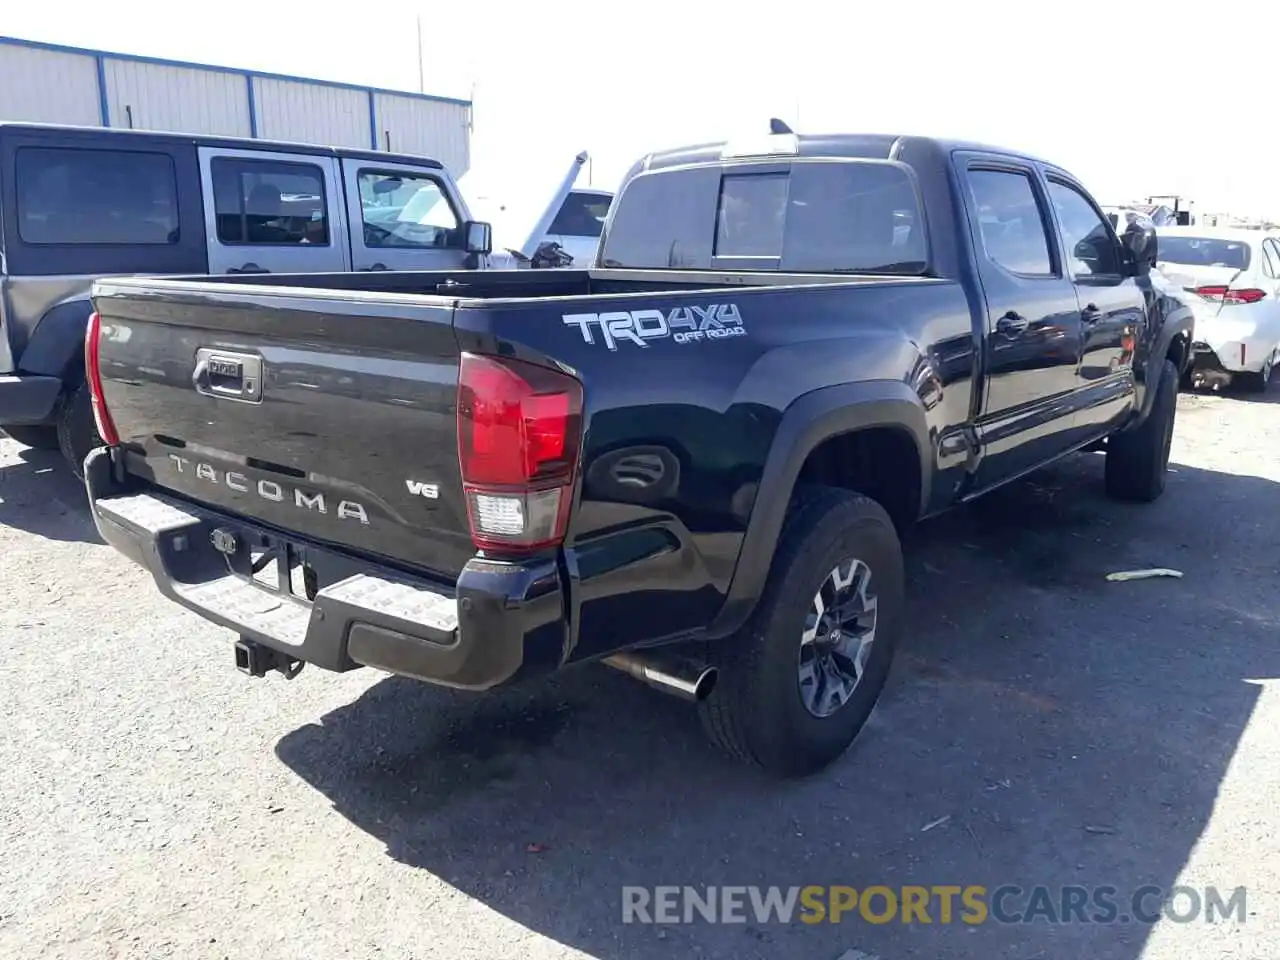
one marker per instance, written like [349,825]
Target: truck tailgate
[332,416]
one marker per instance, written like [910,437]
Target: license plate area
[270,562]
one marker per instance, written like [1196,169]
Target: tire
[77,433]
[757,711]
[36,437]
[1138,459]
[1253,382]
[1249,382]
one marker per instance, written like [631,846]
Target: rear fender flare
[56,347]
[813,418]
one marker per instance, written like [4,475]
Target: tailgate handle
[231,376]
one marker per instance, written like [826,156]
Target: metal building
[47,83]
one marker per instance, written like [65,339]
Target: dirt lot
[155,803]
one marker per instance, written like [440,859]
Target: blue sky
[1133,98]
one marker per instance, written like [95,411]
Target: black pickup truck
[692,462]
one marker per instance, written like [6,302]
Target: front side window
[1009,221]
[70,196]
[1091,250]
[406,210]
[269,202]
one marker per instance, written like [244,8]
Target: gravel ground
[155,803]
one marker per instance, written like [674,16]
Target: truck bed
[355,413]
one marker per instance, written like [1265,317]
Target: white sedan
[1233,278]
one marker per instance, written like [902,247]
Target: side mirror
[1140,245]
[478,237]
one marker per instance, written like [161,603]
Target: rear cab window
[801,216]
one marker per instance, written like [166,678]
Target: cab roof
[868,146]
[230,143]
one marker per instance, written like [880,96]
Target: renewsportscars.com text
[939,904]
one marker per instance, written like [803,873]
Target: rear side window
[815,216]
[269,202]
[72,196]
[1010,221]
[581,215]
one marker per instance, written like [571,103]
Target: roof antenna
[777,126]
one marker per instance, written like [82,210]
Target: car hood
[521,203]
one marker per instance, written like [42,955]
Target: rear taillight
[519,430]
[93,374]
[1228,295]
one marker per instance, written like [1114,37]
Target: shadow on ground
[40,494]
[1074,731]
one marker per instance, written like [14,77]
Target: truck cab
[81,203]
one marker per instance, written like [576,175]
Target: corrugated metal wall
[45,86]
[435,129]
[148,96]
[310,113]
[46,83]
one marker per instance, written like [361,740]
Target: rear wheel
[36,437]
[1138,460]
[77,433]
[799,681]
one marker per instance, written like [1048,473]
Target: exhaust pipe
[679,676]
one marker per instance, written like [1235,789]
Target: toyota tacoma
[692,461]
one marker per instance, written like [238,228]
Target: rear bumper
[501,621]
[1224,357]
[28,398]
[1220,346]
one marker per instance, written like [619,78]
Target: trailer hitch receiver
[256,660]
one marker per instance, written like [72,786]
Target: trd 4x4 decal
[682,324]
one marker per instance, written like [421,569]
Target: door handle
[235,376]
[248,268]
[1012,324]
[1091,314]
[375,266]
